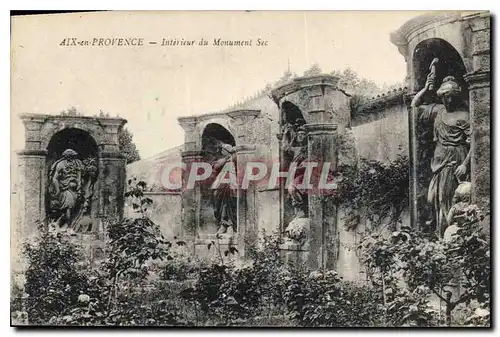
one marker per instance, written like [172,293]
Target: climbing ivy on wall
[376,191]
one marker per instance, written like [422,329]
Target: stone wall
[165,212]
[381,128]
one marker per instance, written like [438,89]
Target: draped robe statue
[224,195]
[451,158]
[295,145]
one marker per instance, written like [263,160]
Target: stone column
[480,106]
[111,180]
[32,193]
[245,214]
[246,211]
[322,211]
[479,92]
[190,217]
[112,173]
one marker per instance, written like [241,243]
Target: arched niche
[291,119]
[86,148]
[450,63]
[290,113]
[213,136]
[72,138]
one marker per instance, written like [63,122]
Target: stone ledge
[301,83]
[296,247]
[33,153]
[224,240]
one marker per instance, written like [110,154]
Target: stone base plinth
[294,253]
[223,243]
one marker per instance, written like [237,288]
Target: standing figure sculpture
[224,195]
[451,134]
[71,182]
[296,148]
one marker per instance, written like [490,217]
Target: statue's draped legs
[225,204]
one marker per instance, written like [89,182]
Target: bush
[55,276]
[323,299]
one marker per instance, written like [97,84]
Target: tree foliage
[409,266]
[376,191]
[127,146]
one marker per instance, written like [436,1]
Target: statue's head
[69,153]
[463,192]
[449,91]
[301,135]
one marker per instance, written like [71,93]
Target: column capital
[188,123]
[478,79]
[193,155]
[321,128]
[32,153]
[111,155]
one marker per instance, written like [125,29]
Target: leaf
[233,250]
[226,253]
[181,243]
[209,246]
[146,201]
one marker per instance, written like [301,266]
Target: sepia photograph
[277,169]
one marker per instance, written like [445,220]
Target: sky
[152,85]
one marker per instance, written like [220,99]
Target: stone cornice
[32,153]
[400,37]
[301,83]
[478,79]
[243,113]
[198,118]
[41,118]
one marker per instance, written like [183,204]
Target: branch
[439,295]
[463,298]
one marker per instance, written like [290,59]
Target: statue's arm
[417,103]
[55,179]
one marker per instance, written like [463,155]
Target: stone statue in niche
[224,195]
[451,134]
[70,190]
[295,145]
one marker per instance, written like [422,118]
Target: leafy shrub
[456,271]
[55,275]
[180,264]
[376,191]
[323,299]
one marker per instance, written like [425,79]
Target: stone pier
[322,148]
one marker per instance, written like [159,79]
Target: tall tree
[127,147]
[313,71]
